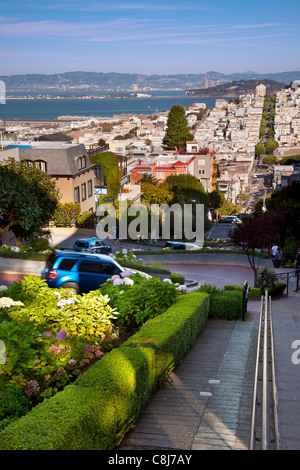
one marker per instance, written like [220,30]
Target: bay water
[52,108]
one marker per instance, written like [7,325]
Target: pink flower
[99,353]
[61,371]
[61,334]
[31,388]
[72,362]
[54,349]
[47,333]
[126,273]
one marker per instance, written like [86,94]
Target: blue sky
[149,36]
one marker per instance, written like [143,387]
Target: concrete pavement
[206,402]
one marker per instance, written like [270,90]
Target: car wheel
[71,285]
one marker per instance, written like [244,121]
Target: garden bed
[100,406]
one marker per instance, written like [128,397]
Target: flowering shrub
[52,336]
[126,256]
[137,298]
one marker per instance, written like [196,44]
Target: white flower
[124,251]
[7,302]
[182,288]
[128,281]
[118,282]
[15,248]
[114,277]
[3,288]
[134,256]
[58,294]
[168,280]
[63,302]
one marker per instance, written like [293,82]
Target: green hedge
[177,278]
[98,409]
[256,291]
[227,305]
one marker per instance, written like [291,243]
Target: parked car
[92,245]
[181,246]
[230,219]
[80,271]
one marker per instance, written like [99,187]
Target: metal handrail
[265,327]
[254,399]
[275,395]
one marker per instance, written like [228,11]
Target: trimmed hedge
[99,408]
[256,291]
[226,305]
[177,278]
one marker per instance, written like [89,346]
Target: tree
[270,160]
[215,201]
[259,149]
[154,194]
[28,198]
[177,132]
[271,145]
[258,231]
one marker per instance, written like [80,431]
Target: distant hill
[235,89]
[86,82]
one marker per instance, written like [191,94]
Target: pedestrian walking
[278,258]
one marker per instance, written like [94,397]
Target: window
[89,267]
[83,191]
[81,162]
[82,244]
[41,165]
[76,194]
[90,188]
[67,264]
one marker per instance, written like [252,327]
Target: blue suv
[80,271]
[92,245]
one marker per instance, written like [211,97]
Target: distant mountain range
[236,88]
[121,82]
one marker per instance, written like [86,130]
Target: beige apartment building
[67,163]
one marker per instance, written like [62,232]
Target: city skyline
[148,38]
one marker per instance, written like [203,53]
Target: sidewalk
[206,402]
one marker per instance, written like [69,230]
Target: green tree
[154,194]
[28,198]
[259,149]
[215,201]
[178,131]
[270,160]
[271,145]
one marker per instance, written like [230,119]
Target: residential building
[68,164]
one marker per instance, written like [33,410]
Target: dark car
[80,271]
[181,246]
[92,245]
[229,220]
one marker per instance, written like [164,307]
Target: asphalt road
[215,275]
